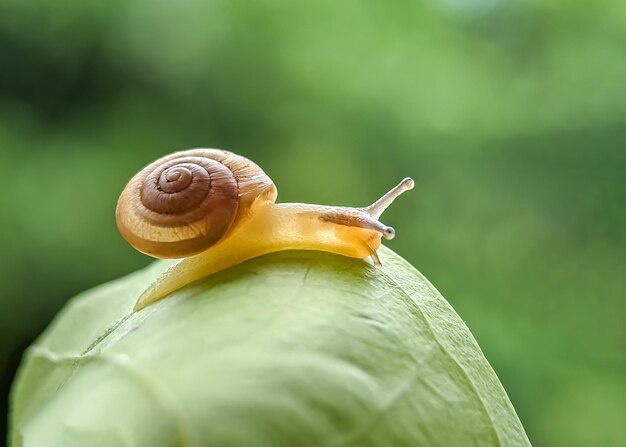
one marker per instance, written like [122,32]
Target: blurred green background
[510,116]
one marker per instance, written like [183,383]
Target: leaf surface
[294,348]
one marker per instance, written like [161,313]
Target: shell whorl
[183,203]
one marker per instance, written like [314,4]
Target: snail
[216,209]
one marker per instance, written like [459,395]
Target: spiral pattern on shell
[183,203]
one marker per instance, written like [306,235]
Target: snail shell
[185,202]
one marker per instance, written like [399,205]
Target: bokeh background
[511,116]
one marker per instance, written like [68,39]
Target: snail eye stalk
[378,207]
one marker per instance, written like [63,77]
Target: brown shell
[183,203]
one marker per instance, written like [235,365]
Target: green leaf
[290,349]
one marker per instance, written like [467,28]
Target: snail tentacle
[377,208]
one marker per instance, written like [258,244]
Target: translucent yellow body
[268,228]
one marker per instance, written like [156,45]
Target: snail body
[216,209]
